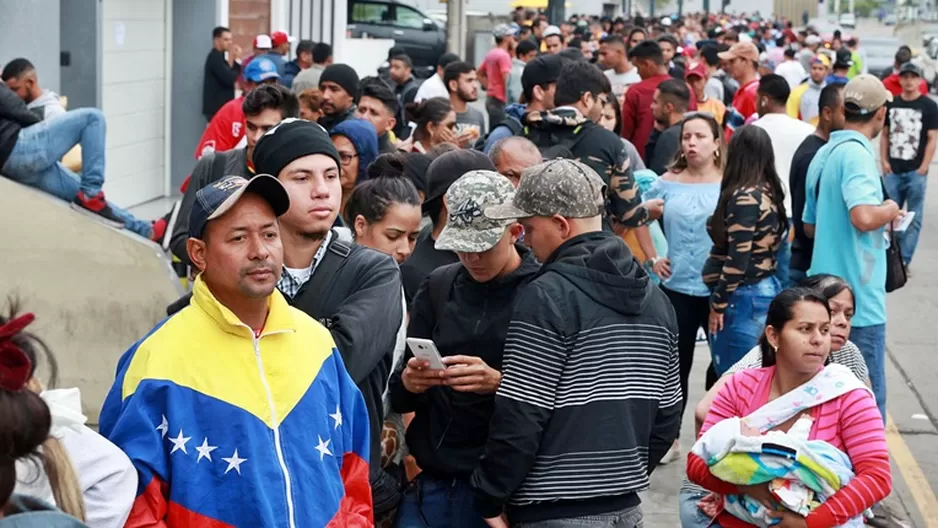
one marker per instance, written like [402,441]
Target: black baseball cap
[543,69]
[449,167]
[910,68]
[305,45]
[219,197]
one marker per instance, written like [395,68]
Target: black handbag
[896,274]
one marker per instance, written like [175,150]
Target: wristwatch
[652,261]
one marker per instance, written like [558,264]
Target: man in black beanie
[441,173]
[339,87]
[354,291]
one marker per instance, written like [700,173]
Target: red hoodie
[892,84]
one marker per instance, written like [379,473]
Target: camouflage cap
[467,229]
[560,186]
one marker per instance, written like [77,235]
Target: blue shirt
[848,177]
[687,207]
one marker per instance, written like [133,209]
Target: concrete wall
[247,19]
[192,40]
[133,45]
[95,290]
[30,29]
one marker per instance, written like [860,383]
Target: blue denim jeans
[35,160]
[691,516]
[627,518]
[871,340]
[795,277]
[436,503]
[743,322]
[908,189]
[783,263]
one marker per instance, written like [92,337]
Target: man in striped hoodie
[590,398]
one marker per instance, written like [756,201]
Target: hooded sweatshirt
[448,433]
[363,135]
[47,105]
[23,511]
[14,116]
[803,101]
[590,374]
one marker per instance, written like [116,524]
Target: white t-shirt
[432,87]
[621,81]
[792,71]
[300,275]
[786,134]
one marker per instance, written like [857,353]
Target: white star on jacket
[179,443]
[337,416]
[234,462]
[323,448]
[205,451]
[163,428]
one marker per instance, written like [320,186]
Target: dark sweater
[14,116]
[219,82]
[590,397]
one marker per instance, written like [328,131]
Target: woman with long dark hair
[840,412]
[747,228]
[436,124]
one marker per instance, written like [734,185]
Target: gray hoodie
[47,105]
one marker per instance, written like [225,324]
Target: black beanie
[344,76]
[291,139]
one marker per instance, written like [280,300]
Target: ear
[392,122]
[772,336]
[359,226]
[196,249]
[562,225]
[450,87]
[537,93]
[515,230]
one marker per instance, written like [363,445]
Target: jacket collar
[279,316]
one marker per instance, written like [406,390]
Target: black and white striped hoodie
[590,398]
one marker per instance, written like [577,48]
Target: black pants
[496,111]
[692,313]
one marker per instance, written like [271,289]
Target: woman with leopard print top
[746,229]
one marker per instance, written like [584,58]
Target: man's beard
[467,97]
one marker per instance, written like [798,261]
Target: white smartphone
[905,222]
[426,350]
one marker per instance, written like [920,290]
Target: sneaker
[99,207]
[159,230]
[673,454]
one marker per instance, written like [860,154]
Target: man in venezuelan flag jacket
[232,426]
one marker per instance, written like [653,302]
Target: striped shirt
[851,423]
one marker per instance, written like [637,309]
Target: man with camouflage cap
[464,308]
[591,367]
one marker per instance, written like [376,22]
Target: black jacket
[219,83]
[448,433]
[362,308]
[14,116]
[590,398]
[209,169]
[598,148]
[330,121]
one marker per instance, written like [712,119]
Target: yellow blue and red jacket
[229,429]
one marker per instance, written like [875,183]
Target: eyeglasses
[346,159]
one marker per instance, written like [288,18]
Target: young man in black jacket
[590,397]
[359,297]
[220,72]
[263,107]
[464,308]
[570,130]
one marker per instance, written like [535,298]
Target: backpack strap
[323,277]
[441,284]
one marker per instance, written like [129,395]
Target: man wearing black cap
[303,60]
[339,87]
[354,291]
[538,84]
[443,171]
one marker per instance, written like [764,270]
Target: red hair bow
[15,366]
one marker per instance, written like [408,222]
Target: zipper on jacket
[277,446]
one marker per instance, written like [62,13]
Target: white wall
[30,29]
[132,98]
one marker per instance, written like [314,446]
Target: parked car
[848,20]
[879,54]
[890,19]
[422,38]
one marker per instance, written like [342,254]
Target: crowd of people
[414,313]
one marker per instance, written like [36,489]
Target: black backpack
[513,124]
[552,146]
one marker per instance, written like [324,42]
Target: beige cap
[745,50]
[865,94]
